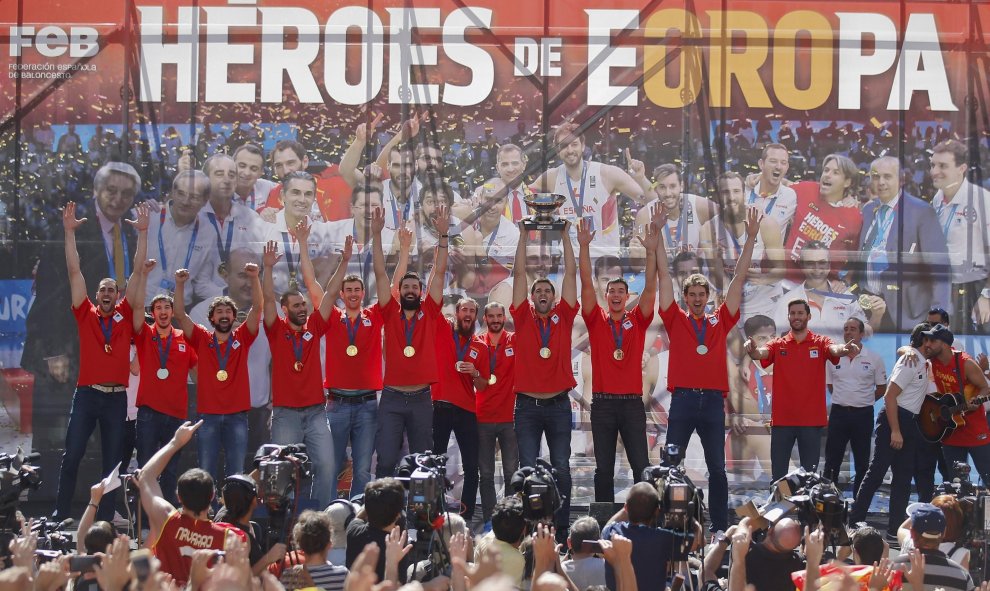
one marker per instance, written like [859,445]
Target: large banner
[859,129]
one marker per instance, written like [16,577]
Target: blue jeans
[353,422]
[535,417]
[703,411]
[308,425]
[228,432]
[91,407]
[782,439]
[153,430]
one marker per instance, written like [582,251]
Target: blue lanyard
[752,199]
[492,358]
[161,243]
[127,259]
[699,333]
[881,228]
[223,249]
[681,222]
[735,241]
[461,351]
[352,327]
[288,254]
[222,358]
[365,254]
[297,344]
[163,354]
[409,327]
[617,334]
[952,214]
[405,207]
[544,330]
[106,329]
[578,205]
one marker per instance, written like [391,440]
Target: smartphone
[83,564]
[141,564]
[593,546]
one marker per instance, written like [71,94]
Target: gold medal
[545,352]
[108,349]
[297,366]
[409,351]
[222,375]
[352,350]
[618,355]
[222,270]
[492,380]
[865,303]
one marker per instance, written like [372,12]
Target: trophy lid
[545,200]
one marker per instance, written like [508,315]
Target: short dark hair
[959,151]
[237,498]
[859,323]
[283,300]
[99,535]
[606,262]
[250,149]
[943,316]
[312,531]
[868,544]
[365,188]
[412,275]
[439,190]
[220,301]
[532,288]
[665,170]
[696,280]
[773,146]
[352,278]
[383,501]
[584,528]
[916,337]
[757,322]
[162,297]
[508,523]
[799,302]
[617,281]
[293,145]
[195,489]
[642,503]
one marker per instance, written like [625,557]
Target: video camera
[425,477]
[17,474]
[537,485]
[281,469]
[681,502]
[811,499]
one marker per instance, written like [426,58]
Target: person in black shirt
[384,500]
[770,563]
[240,498]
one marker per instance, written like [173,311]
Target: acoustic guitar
[941,415]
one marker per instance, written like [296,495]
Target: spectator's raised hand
[185,432]
[113,573]
[53,575]
[617,550]
[22,548]
[883,572]
[396,547]
[915,574]
[814,544]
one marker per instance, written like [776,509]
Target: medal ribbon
[578,205]
[940,207]
[163,353]
[352,328]
[752,199]
[617,331]
[461,351]
[544,326]
[288,254]
[106,329]
[189,251]
[492,358]
[297,345]
[223,249]
[409,327]
[699,332]
[222,358]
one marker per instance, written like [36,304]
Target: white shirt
[394,208]
[780,206]
[915,381]
[246,232]
[259,357]
[685,231]
[854,381]
[826,320]
[192,247]
[319,245]
[258,197]
[500,245]
[598,205]
[963,221]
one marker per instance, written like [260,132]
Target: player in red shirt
[176,533]
[333,189]
[223,393]
[463,369]
[617,339]
[165,359]
[950,367]
[105,333]
[410,347]
[543,368]
[298,401]
[797,411]
[698,377]
[495,407]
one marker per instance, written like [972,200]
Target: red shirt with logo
[169,396]
[181,535]
[608,375]
[497,402]
[234,394]
[291,388]
[333,195]
[421,368]
[96,366]
[364,370]
[455,387]
[534,373]
[975,432]
[815,219]
[799,379]
[688,368]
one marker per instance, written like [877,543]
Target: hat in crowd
[939,332]
[927,520]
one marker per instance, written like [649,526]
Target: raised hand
[618,550]
[186,161]
[658,213]
[69,221]
[637,169]
[348,250]
[270,256]
[396,546]
[252,269]
[814,544]
[883,572]
[113,572]
[405,237]
[650,238]
[181,276]
[377,221]
[149,265]
[753,220]
[363,130]
[302,230]
[441,220]
[185,432]
[916,572]
[142,219]
[373,172]
[852,349]
[584,233]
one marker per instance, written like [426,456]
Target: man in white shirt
[898,444]
[773,199]
[228,222]
[855,384]
[251,189]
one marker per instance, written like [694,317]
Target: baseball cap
[926,519]
[939,332]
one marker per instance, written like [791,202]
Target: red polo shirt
[364,370]
[455,387]
[975,432]
[169,396]
[96,366]
[333,195]
[609,375]
[534,373]
[688,368]
[234,394]
[291,388]
[421,368]
[799,379]
[497,402]
[818,220]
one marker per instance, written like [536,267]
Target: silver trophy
[544,206]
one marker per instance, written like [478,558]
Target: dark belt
[425,390]
[697,390]
[107,389]
[353,399]
[844,407]
[562,397]
[610,396]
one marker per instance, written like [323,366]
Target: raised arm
[269,258]
[313,287]
[77,283]
[179,301]
[519,286]
[658,215]
[336,281]
[438,279]
[378,257]
[850,349]
[140,255]
[733,296]
[619,180]
[352,156]
[588,296]
[650,241]
[136,294]
[257,298]
[152,501]
[637,170]
[568,288]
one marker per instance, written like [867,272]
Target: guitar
[941,415]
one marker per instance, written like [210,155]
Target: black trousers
[848,426]
[614,416]
[447,419]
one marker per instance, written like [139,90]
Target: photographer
[384,500]
[769,564]
[240,499]
[509,529]
[653,548]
